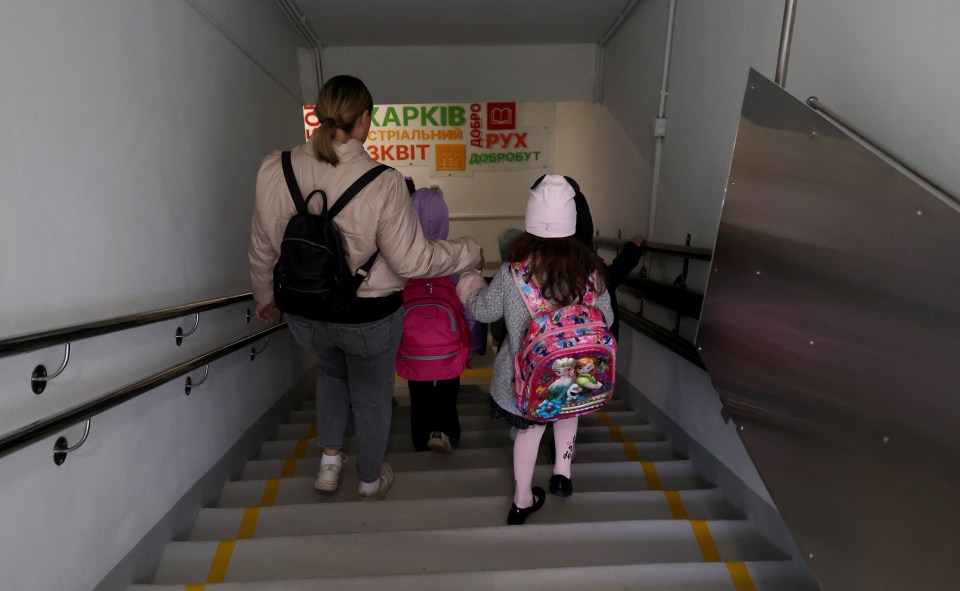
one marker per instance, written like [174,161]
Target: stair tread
[288,437]
[474,549]
[781,575]
[496,481]
[467,458]
[455,513]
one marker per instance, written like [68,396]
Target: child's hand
[470,282]
[639,240]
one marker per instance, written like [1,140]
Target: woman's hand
[268,313]
[639,239]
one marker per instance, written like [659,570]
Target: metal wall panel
[831,329]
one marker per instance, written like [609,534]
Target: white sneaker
[328,478]
[440,443]
[386,480]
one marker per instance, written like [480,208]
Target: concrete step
[495,481]
[401,423]
[464,458]
[474,549]
[288,438]
[778,575]
[454,513]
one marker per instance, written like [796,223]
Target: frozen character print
[557,391]
[603,367]
[584,369]
[573,393]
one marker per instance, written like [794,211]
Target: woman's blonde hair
[341,102]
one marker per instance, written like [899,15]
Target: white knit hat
[551,211]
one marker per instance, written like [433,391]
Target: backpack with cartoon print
[565,366]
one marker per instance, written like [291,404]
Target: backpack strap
[356,187]
[342,202]
[530,292]
[292,185]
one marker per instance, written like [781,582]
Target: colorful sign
[453,139]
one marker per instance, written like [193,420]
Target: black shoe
[517,516]
[561,486]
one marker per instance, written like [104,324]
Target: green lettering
[391,117]
[457,116]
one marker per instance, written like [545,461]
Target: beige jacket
[381,215]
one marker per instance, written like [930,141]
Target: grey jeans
[356,366]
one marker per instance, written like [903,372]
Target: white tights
[525,449]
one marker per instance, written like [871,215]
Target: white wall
[132,134]
[469,73]
[888,67]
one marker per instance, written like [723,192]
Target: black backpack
[311,277]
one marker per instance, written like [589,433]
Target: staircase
[641,518]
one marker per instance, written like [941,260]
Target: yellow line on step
[615,435]
[603,419]
[708,547]
[650,473]
[289,469]
[221,561]
[270,492]
[248,523]
[741,576]
[313,431]
[675,502]
[194,588]
[302,445]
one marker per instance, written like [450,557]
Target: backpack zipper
[453,321]
[429,357]
[594,324]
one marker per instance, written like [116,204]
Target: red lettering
[386,153]
[475,107]
[492,140]
[521,140]
[423,150]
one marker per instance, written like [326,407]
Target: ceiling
[339,23]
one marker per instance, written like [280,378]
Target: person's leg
[525,450]
[564,441]
[332,390]
[445,407]
[421,413]
[370,351]
[332,396]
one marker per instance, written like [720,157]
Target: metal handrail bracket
[39,340]
[56,423]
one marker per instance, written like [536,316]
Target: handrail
[60,421]
[948,198]
[664,336]
[57,336]
[691,252]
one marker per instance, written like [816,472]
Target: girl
[434,422]
[563,269]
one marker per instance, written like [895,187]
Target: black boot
[517,516]
[561,486]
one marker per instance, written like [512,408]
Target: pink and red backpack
[565,366]
[436,340]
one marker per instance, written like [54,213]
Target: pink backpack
[565,366]
[436,341]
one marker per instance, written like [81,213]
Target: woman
[355,352]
